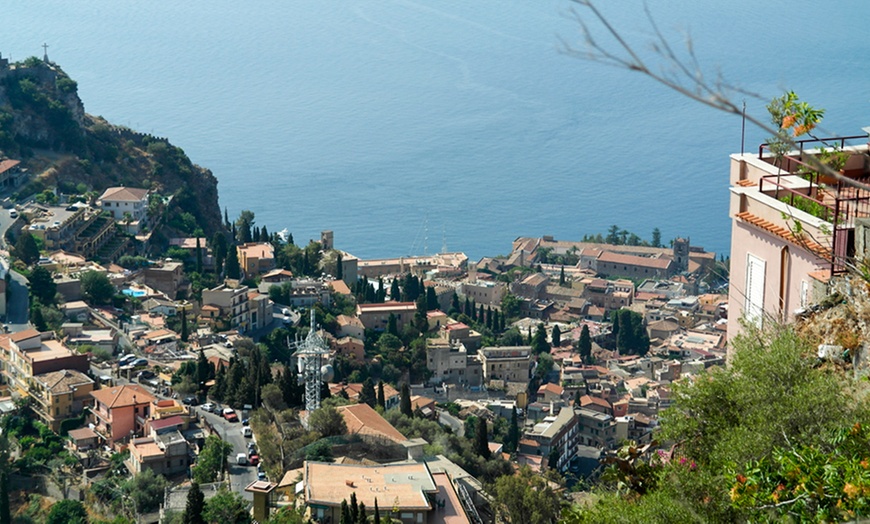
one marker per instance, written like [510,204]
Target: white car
[208,406]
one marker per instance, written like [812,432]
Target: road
[446,419]
[240,476]
[18,306]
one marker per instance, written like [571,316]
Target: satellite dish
[327,373]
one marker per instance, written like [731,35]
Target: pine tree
[481,438]
[405,401]
[381,400]
[195,505]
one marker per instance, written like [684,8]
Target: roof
[587,400]
[82,434]
[388,306]
[124,194]
[166,422]
[257,250]
[451,512]
[346,320]
[556,389]
[403,485]
[59,382]
[634,260]
[340,287]
[783,233]
[23,335]
[122,396]
[6,165]
[362,419]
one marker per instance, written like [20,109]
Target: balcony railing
[837,201]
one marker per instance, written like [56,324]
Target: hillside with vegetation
[43,124]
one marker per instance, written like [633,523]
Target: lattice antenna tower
[309,361]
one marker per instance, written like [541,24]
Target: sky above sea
[410,126]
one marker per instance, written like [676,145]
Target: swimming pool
[134,293]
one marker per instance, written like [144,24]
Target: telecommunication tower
[309,361]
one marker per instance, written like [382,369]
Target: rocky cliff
[44,124]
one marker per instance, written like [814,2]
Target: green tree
[395,292]
[198,256]
[584,344]
[562,276]
[339,269]
[195,506]
[219,251]
[392,328]
[244,225]
[431,299]
[67,512]
[96,287]
[557,336]
[513,436]
[405,400]
[630,333]
[656,238]
[147,490]
[481,438]
[510,305]
[327,422]
[539,342]
[525,498]
[212,460]
[381,400]
[26,248]
[234,270]
[225,507]
[37,318]
[377,515]
[184,333]
[42,286]
[5,509]
[367,394]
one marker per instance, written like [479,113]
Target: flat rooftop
[398,485]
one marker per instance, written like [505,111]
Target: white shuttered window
[754,308]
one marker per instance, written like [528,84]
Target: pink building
[792,229]
[121,412]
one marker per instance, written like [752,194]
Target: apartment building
[60,395]
[121,412]
[231,303]
[29,353]
[559,433]
[777,266]
[256,258]
[128,207]
[509,363]
[376,316]
[450,363]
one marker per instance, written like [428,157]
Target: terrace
[797,203]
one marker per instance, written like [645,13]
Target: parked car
[209,407]
[252,448]
[247,432]
[145,375]
[241,459]
[230,415]
[261,475]
[254,460]
[139,362]
[190,401]
[245,422]
[126,359]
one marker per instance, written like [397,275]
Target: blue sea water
[404,125]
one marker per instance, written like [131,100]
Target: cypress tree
[377,517]
[480,315]
[367,395]
[481,438]
[37,319]
[233,268]
[431,299]
[488,317]
[584,344]
[198,256]
[381,400]
[473,314]
[362,513]
[339,269]
[513,436]
[345,513]
[5,510]
[467,308]
[562,276]
[184,334]
[557,336]
[264,234]
[454,304]
[395,292]
[195,506]
[354,508]
[405,401]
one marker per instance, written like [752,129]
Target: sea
[413,126]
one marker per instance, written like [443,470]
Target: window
[754,305]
